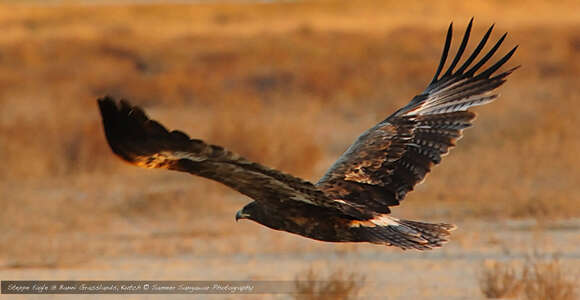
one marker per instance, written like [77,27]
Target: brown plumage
[351,201]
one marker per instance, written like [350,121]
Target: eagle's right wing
[388,160]
[146,143]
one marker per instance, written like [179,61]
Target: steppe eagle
[350,203]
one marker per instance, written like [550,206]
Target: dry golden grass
[546,281]
[287,84]
[499,280]
[536,280]
[337,285]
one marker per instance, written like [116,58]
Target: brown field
[289,85]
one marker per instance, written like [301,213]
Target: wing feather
[146,143]
[388,160]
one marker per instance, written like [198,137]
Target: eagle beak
[241,215]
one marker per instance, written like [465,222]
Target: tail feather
[435,234]
[404,234]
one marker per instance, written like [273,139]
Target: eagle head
[241,215]
[260,214]
[250,211]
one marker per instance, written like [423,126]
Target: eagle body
[325,225]
[352,200]
[303,219]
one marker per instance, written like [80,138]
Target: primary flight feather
[350,203]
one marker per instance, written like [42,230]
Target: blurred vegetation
[340,284]
[537,279]
[287,84]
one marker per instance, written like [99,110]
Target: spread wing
[388,160]
[146,143]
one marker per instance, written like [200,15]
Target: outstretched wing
[388,160]
[146,143]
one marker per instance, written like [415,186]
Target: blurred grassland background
[287,84]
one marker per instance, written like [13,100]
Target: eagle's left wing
[388,160]
[146,143]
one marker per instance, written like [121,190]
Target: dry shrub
[546,281]
[337,285]
[499,280]
[537,280]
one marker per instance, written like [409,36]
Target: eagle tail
[404,234]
